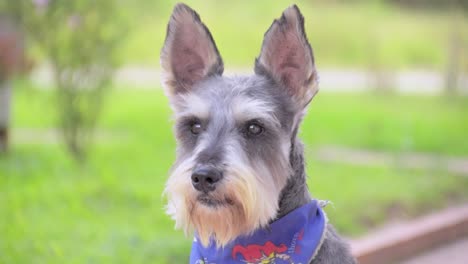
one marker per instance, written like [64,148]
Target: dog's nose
[204,179]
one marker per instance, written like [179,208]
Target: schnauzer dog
[239,181]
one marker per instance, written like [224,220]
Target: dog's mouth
[211,201]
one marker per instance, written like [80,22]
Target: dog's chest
[295,238]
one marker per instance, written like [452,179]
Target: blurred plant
[381,78]
[80,40]
[455,50]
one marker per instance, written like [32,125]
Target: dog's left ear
[286,57]
[189,54]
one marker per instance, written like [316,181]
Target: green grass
[389,122]
[111,210]
[359,34]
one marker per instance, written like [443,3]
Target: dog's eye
[254,129]
[196,128]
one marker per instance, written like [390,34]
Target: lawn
[363,34]
[111,209]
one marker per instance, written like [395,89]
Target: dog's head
[234,134]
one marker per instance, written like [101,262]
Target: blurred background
[85,129]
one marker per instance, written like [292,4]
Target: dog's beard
[241,203]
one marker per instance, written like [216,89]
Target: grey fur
[278,149]
[333,250]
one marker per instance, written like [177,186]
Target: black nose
[204,179]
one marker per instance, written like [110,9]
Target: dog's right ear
[189,54]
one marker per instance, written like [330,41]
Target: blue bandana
[294,238]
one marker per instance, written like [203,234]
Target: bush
[80,39]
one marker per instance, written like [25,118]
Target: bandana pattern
[292,239]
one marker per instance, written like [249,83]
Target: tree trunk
[5,103]
[455,54]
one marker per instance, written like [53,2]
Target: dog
[239,180]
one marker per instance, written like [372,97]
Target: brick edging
[410,238]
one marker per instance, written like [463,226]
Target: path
[456,165]
[53,136]
[454,253]
[416,81]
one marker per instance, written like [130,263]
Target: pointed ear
[189,53]
[287,58]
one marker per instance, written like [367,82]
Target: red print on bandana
[253,253]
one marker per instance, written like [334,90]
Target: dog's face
[234,134]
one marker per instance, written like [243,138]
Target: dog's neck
[295,193]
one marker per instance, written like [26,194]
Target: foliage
[434,4]
[11,49]
[80,40]
[352,34]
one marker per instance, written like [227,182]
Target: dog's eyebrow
[244,109]
[189,105]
